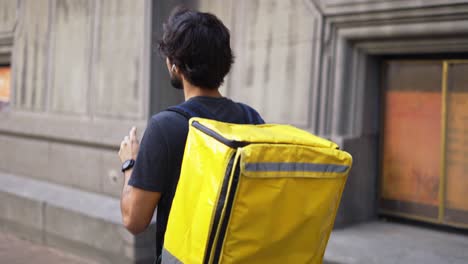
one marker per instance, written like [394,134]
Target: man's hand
[129,146]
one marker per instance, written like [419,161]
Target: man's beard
[176,82]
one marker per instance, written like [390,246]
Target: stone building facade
[84,71]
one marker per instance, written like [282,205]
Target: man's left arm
[137,205]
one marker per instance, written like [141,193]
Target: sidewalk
[393,243]
[370,243]
[14,250]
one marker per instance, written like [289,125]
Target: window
[5,87]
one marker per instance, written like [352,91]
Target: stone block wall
[80,80]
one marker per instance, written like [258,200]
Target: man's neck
[193,91]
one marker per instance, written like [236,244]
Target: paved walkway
[370,243]
[392,243]
[14,250]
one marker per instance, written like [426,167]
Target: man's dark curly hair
[199,45]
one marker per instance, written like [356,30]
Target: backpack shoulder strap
[253,117]
[183,111]
[191,109]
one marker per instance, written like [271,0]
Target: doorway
[424,167]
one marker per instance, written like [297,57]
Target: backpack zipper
[219,210]
[227,214]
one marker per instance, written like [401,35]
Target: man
[198,57]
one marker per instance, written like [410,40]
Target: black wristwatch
[128,164]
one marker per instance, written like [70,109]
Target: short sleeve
[151,166]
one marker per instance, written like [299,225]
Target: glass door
[425,147]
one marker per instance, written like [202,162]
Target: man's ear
[168,64]
[171,66]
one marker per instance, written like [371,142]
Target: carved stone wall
[8,15]
[80,72]
[277,49]
[30,53]
[7,26]
[120,61]
[80,80]
[70,56]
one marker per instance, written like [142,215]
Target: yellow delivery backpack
[254,194]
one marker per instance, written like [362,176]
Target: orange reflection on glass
[411,167]
[5,84]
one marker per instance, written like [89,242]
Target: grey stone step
[81,222]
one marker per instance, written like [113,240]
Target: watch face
[127,164]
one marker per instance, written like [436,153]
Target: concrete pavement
[14,250]
[369,243]
[395,243]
